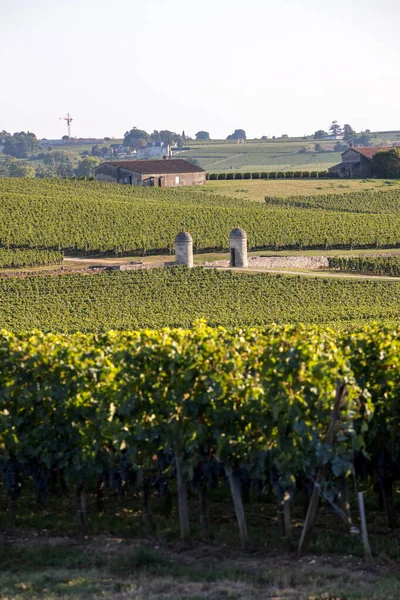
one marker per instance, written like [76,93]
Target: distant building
[153,150]
[158,173]
[357,162]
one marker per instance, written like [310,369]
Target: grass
[45,557]
[270,155]
[117,570]
[257,189]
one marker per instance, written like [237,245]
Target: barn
[158,173]
[357,162]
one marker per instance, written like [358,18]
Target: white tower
[184,249]
[238,248]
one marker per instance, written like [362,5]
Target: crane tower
[69,119]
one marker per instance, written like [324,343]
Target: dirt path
[156,261]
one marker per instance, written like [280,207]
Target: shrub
[273,175]
[230,175]
[221,176]
[238,175]
[246,175]
[213,176]
[322,174]
[255,176]
[264,175]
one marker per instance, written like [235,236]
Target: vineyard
[18,258]
[177,296]
[272,410]
[377,202]
[388,265]
[89,217]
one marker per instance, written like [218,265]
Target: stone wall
[278,262]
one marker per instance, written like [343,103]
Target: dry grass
[119,570]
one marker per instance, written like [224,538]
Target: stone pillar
[238,248]
[184,249]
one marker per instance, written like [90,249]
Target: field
[271,155]
[258,189]
[177,297]
[89,217]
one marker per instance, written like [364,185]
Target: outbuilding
[158,173]
[357,162]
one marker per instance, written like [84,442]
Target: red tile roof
[159,167]
[370,151]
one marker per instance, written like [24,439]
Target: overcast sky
[269,67]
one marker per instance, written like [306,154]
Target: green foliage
[177,296]
[97,217]
[11,167]
[202,135]
[131,137]
[387,164]
[86,166]
[18,257]
[20,145]
[61,163]
[376,265]
[320,134]
[380,202]
[238,134]
[261,398]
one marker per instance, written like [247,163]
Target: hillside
[89,217]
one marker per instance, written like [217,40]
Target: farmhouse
[158,173]
[357,162]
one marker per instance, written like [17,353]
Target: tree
[335,128]
[318,148]
[348,132]
[141,143]
[131,137]
[202,135]
[60,163]
[238,134]
[362,140]
[387,163]
[340,147]
[320,134]
[86,166]
[65,138]
[95,150]
[20,144]
[16,168]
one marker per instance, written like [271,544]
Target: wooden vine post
[341,392]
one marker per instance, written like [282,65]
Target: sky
[268,67]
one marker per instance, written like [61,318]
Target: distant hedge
[270,175]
